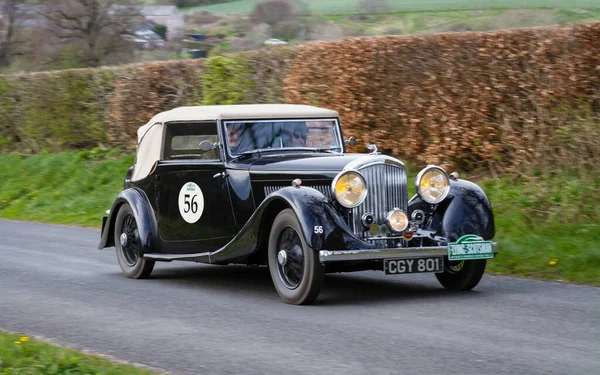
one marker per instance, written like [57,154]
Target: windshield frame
[336,125]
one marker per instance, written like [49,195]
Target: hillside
[351,6]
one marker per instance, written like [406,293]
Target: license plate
[470,247]
[415,265]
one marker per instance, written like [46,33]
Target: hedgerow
[497,100]
[463,100]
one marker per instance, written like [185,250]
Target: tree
[98,26]
[273,11]
[9,21]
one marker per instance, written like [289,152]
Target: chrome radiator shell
[387,189]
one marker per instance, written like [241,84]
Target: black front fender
[322,225]
[466,210]
[144,216]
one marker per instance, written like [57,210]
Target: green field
[547,226]
[350,6]
[463,20]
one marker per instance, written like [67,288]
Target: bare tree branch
[97,24]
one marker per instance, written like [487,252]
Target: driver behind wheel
[295,135]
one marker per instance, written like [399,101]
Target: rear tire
[295,268]
[463,275]
[128,245]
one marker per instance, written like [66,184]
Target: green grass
[547,226]
[65,188]
[350,6]
[23,355]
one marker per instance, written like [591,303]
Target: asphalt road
[196,319]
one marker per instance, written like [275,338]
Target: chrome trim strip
[326,256]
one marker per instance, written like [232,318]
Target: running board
[199,257]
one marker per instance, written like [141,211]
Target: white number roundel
[191,202]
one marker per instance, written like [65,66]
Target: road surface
[200,319]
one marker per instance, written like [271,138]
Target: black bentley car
[272,185]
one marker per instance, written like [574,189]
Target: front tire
[463,275]
[128,245]
[295,269]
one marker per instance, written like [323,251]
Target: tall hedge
[464,99]
[501,99]
[54,110]
[143,90]
[248,77]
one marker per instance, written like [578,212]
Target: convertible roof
[237,112]
[243,111]
[151,133]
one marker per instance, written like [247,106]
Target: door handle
[222,174]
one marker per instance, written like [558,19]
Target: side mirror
[351,141]
[206,145]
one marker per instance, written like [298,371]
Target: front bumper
[327,256]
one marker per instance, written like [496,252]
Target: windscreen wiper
[261,151]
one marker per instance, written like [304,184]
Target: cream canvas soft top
[150,136]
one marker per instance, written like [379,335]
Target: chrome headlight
[397,220]
[349,188]
[433,184]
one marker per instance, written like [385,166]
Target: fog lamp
[397,220]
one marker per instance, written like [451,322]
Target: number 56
[318,229]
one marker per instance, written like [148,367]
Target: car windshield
[248,136]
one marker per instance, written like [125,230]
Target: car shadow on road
[347,289]
[338,289]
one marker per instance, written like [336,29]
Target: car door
[194,207]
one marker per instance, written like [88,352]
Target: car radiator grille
[387,189]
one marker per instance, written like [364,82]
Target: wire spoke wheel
[129,245]
[295,269]
[130,241]
[290,263]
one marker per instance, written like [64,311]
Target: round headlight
[397,220]
[349,188]
[433,184]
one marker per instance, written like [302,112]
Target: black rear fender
[144,216]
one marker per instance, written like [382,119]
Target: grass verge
[23,355]
[64,188]
[547,225]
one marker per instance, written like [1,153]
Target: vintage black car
[272,185]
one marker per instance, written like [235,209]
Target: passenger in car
[234,137]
